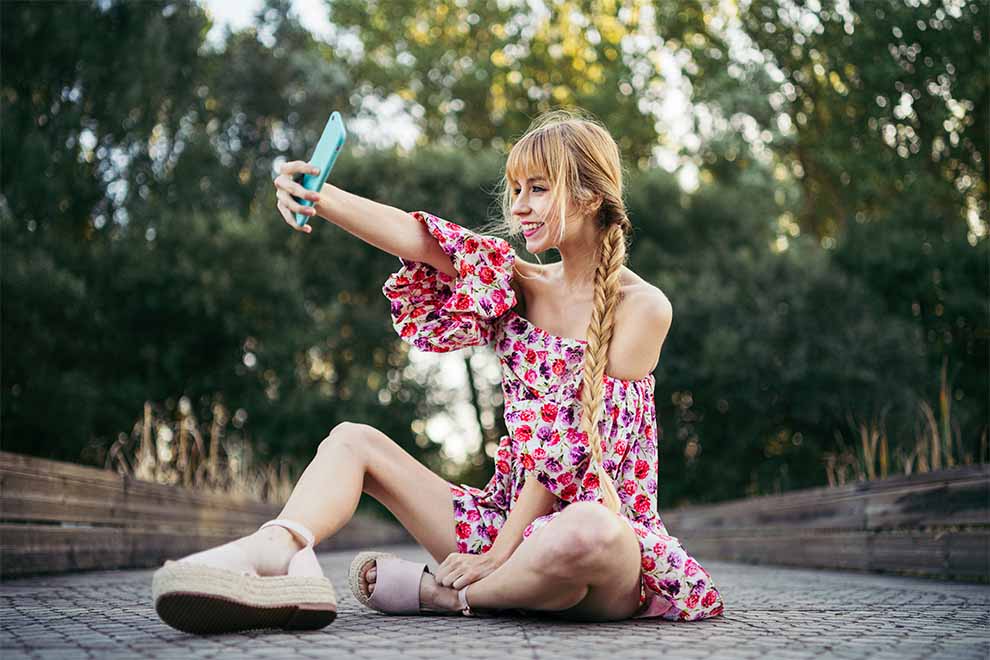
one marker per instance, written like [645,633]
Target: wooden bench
[57,517]
[934,524]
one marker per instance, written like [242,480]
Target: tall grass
[937,443]
[177,450]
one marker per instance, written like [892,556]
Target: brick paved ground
[770,612]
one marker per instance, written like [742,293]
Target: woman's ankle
[271,549]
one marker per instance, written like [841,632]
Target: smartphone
[323,158]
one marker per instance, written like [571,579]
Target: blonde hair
[581,161]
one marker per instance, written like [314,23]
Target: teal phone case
[324,157]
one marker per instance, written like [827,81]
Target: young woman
[568,525]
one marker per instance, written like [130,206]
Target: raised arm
[386,227]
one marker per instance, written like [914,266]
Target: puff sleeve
[438,313]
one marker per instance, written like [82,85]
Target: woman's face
[531,207]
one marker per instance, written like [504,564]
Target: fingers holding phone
[289,190]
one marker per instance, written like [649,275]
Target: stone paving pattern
[771,612]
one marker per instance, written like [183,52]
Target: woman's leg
[352,459]
[584,565]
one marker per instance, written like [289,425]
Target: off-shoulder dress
[541,384]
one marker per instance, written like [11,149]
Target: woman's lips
[529,232]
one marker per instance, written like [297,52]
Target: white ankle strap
[292,526]
[462,597]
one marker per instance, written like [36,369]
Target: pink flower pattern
[541,384]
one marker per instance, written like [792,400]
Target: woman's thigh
[614,585]
[419,499]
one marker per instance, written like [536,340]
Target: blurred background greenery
[821,232]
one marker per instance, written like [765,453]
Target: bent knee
[355,436]
[586,537]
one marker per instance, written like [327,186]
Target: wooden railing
[57,517]
[934,524]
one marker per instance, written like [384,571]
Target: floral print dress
[541,383]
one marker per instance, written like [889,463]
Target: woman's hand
[459,569]
[286,187]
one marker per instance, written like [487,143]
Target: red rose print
[457,491]
[565,478]
[549,412]
[408,330]
[716,611]
[620,447]
[709,598]
[590,480]
[462,301]
[660,548]
[492,532]
[463,530]
[531,356]
[642,503]
[642,469]
[470,245]
[462,547]
[524,433]
[648,563]
[539,453]
[496,258]
[466,268]
[485,548]
[554,439]
[473,515]
[527,415]
[559,367]
[629,486]
[498,296]
[692,601]
[502,467]
[486,275]
[527,462]
[649,432]
[569,492]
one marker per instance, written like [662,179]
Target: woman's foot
[432,596]
[265,552]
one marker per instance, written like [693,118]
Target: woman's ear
[596,203]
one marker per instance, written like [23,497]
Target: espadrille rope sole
[201,599]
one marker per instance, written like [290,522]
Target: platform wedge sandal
[197,598]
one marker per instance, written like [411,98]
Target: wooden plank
[968,553]
[36,549]
[956,501]
[959,495]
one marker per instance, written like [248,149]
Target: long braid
[612,256]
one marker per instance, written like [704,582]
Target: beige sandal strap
[293,526]
[462,598]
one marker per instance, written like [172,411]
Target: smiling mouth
[529,230]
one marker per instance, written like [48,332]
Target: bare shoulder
[527,272]
[641,326]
